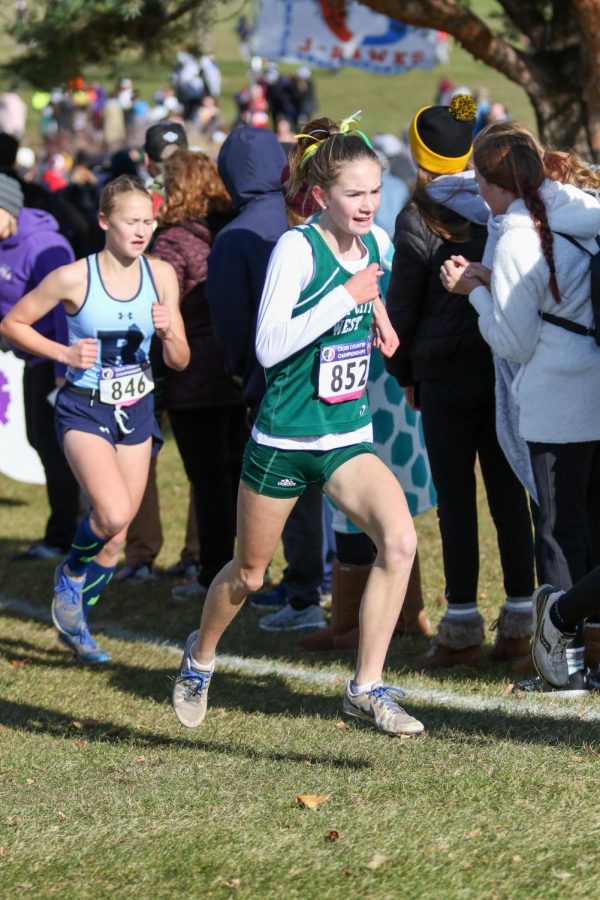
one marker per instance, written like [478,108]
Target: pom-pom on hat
[11,195]
[441,137]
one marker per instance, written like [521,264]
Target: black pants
[303,548]
[459,425]
[61,486]
[567,479]
[211,443]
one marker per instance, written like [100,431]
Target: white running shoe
[190,691]
[379,707]
[290,619]
[549,646]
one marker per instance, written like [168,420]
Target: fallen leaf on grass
[333,836]
[82,724]
[563,875]
[18,663]
[580,712]
[81,743]
[473,834]
[312,801]
[55,828]
[232,883]
[509,688]
[140,759]
[517,859]
[592,752]
[378,860]
[341,726]
[577,759]
[347,873]
[31,781]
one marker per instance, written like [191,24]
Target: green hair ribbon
[347,126]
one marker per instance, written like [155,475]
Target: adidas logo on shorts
[286,482]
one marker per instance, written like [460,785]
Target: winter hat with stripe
[11,195]
[441,137]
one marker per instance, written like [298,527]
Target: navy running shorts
[81,410]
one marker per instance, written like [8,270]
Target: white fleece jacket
[558,384]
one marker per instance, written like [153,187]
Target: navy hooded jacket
[250,163]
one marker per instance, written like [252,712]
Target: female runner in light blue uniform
[115,301]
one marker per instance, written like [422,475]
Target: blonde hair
[115,190]
[566,167]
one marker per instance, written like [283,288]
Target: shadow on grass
[39,720]
[270,695]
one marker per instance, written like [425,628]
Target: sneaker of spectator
[38,550]
[139,573]
[190,590]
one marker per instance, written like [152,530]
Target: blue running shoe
[272,600]
[190,691]
[67,606]
[84,647]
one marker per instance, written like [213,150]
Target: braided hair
[507,154]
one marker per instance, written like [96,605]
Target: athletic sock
[85,547]
[203,667]
[356,689]
[461,611]
[575,659]
[557,614]
[97,577]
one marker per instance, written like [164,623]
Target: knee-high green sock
[97,577]
[86,545]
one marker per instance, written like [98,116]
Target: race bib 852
[343,371]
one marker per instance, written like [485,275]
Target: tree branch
[467,28]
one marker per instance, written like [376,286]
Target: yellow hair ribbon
[346,126]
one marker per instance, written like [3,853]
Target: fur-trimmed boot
[347,587]
[591,642]
[413,618]
[514,629]
[457,643]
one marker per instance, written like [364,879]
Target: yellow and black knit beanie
[441,137]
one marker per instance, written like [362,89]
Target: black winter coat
[438,331]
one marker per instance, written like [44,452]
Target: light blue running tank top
[123,328]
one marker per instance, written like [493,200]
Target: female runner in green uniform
[319,312]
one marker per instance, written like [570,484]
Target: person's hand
[459,276]
[409,393]
[161,319]
[364,286]
[83,354]
[386,340]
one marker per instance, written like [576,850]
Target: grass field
[101,791]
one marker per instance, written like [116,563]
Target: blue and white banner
[330,34]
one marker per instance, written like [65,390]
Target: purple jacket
[25,259]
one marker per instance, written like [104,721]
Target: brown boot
[591,638]
[347,587]
[513,633]
[413,618]
[457,643]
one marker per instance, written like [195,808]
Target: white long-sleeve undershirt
[278,335]
[290,270]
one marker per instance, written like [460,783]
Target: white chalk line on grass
[580,709]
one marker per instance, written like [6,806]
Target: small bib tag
[124,385]
[343,371]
